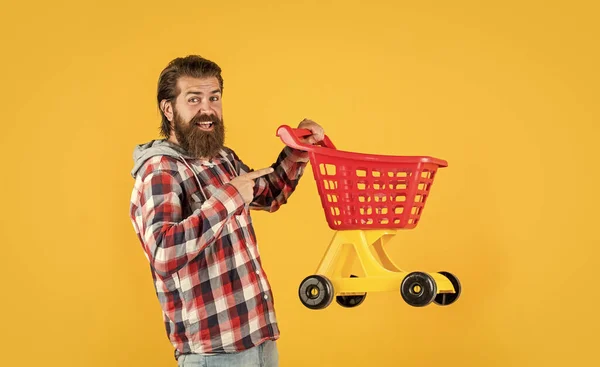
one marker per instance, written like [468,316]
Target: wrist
[296,155]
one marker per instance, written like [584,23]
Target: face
[197,117]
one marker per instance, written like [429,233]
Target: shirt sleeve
[170,240]
[273,190]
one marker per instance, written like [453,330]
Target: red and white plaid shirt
[197,235]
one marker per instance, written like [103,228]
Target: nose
[204,107]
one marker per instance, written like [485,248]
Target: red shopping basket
[367,191]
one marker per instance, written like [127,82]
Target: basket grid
[360,195]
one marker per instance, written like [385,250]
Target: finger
[258,173]
[316,130]
[306,124]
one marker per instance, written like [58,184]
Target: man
[190,209]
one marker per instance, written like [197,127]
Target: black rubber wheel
[445,299]
[350,301]
[418,289]
[316,292]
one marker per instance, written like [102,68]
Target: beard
[197,142]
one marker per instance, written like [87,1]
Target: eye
[214,98]
[194,100]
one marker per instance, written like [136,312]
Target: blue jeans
[264,355]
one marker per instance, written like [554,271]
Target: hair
[193,66]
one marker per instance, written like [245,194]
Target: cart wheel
[445,299]
[418,289]
[350,301]
[316,292]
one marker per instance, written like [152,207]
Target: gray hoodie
[145,151]
[163,147]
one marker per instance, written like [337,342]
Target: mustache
[205,118]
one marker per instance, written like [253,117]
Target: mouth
[205,125]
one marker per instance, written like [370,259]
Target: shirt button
[257,272]
[266,297]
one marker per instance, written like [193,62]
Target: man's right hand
[245,183]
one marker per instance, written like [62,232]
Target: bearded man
[190,208]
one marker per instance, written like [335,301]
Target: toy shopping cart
[367,198]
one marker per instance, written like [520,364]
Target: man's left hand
[318,134]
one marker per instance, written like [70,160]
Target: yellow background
[507,93]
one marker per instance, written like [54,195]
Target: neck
[173,139]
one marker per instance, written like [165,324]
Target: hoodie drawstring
[195,176]
[235,174]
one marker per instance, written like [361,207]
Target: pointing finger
[259,173]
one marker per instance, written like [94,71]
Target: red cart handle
[290,137]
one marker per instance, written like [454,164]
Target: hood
[143,152]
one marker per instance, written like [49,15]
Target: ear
[167,108]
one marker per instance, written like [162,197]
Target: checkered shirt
[202,249]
